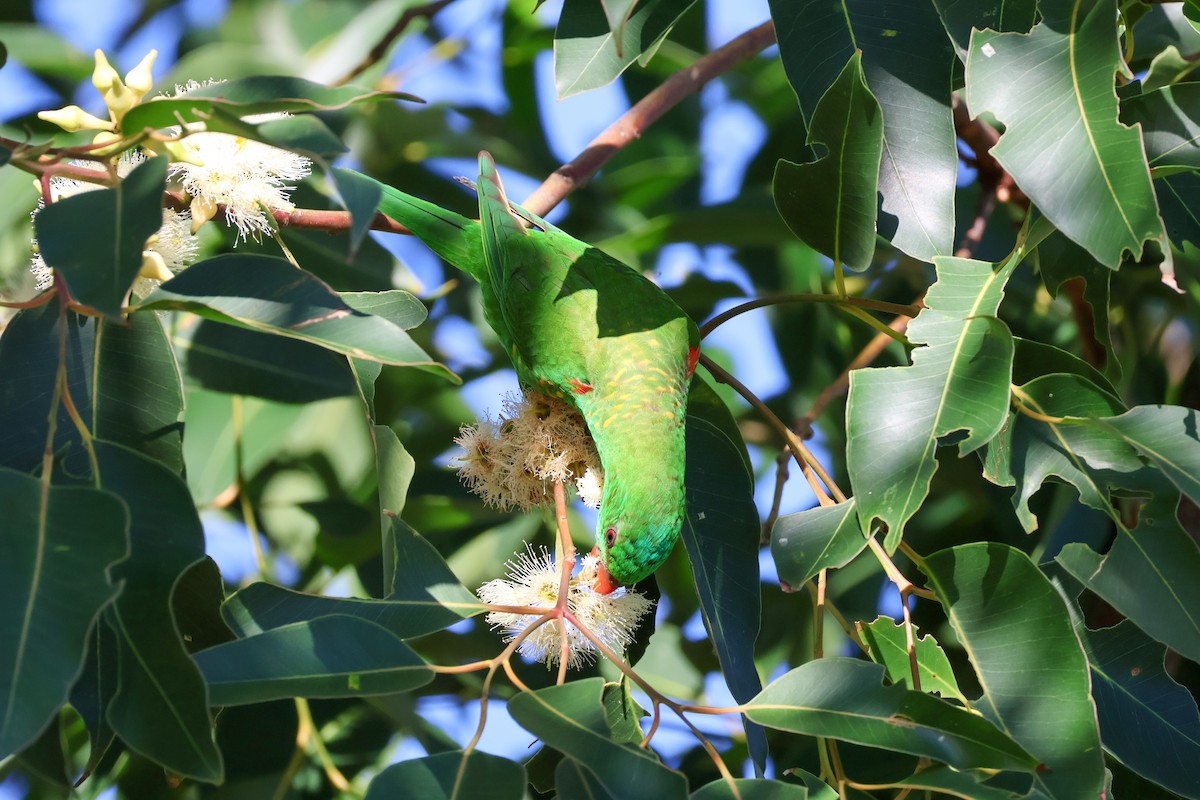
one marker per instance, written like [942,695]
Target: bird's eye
[610,536]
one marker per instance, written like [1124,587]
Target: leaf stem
[807,297]
[331,771]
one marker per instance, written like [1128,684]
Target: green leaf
[750,790]
[94,690]
[830,203]
[95,239]
[1169,125]
[959,382]
[1168,437]
[45,52]
[887,641]
[907,62]
[586,54]
[161,706]
[1178,199]
[1000,15]
[1035,359]
[573,779]
[1029,451]
[361,198]
[1166,68]
[268,294]
[807,542]
[451,776]
[843,698]
[1149,575]
[397,306]
[570,718]
[333,656]
[1062,144]
[1060,260]
[53,584]
[1147,720]
[395,468]
[226,358]
[957,784]
[1016,628]
[247,96]
[720,532]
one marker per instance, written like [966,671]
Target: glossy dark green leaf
[451,776]
[1017,630]
[1030,451]
[29,355]
[333,656]
[1147,720]
[1169,437]
[573,779]
[45,758]
[1166,68]
[247,96]
[750,790]
[45,52]
[570,718]
[161,706]
[1178,201]
[1170,120]
[268,294]
[945,781]
[361,198]
[398,307]
[53,584]
[95,239]
[807,542]
[396,468]
[895,416]
[720,533]
[843,698]
[1034,359]
[887,639]
[1149,575]
[1062,143]
[587,55]
[830,203]
[196,602]
[226,358]
[137,393]
[907,61]
[94,690]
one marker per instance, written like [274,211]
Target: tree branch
[385,42]
[630,125]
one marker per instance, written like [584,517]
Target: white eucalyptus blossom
[515,460]
[168,251]
[533,582]
[250,179]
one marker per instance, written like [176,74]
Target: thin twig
[632,123]
[385,42]
[806,297]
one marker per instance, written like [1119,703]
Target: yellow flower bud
[203,209]
[140,79]
[119,99]
[107,138]
[74,118]
[104,77]
[154,267]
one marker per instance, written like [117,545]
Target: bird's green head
[636,533]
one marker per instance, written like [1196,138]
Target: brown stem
[630,126]
[806,297]
[381,47]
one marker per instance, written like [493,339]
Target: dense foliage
[944,250]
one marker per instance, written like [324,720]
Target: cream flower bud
[104,77]
[203,209]
[140,79]
[73,118]
[154,267]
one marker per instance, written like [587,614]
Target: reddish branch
[385,42]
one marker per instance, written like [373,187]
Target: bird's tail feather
[452,236]
[498,221]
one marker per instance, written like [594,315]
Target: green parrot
[581,325]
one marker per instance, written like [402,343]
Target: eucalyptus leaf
[886,639]
[451,776]
[807,542]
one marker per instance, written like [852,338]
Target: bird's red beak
[604,583]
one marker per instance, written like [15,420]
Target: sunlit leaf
[95,239]
[1169,437]
[1016,628]
[946,781]
[830,203]
[270,295]
[843,698]
[333,656]
[53,584]
[248,96]
[887,640]
[896,416]
[570,718]
[1062,144]
[750,790]
[451,776]
[807,542]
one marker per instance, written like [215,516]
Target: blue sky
[731,135]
